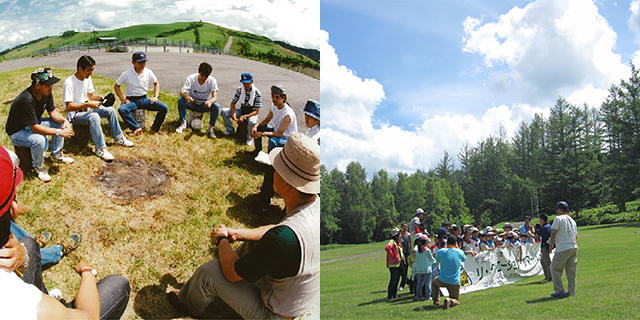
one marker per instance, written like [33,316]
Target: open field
[608,277]
[156,243]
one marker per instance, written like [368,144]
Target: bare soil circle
[131,179]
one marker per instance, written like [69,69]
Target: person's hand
[208,103]
[12,255]
[152,100]
[242,118]
[220,231]
[551,247]
[82,265]
[66,132]
[189,99]
[234,117]
[94,104]
[255,134]
[125,101]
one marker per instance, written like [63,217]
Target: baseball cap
[11,177]
[44,75]
[312,108]
[139,56]
[246,78]
[562,205]
[419,211]
[278,89]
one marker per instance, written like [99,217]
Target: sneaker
[212,134]
[447,303]
[172,296]
[227,132]
[42,173]
[71,243]
[401,288]
[181,127]
[104,154]
[249,142]
[62,158]
[559,295]
[124,142]
[44,238]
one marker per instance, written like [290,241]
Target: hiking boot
[104,154]
[62,158]
[124,142]
[42,173]
[181,127]
[44,238]
[212,134]
[71,243]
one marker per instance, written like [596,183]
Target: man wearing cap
[284,122]
[280,276]
[415,222]
[544,232]
[27,298]
[137,79]
[250,103]
[312,119]
[199,93]
[26,127]
[564,238]
[85,107]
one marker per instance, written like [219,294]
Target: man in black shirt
[280,276]
[26,127]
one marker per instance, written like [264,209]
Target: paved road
[171,68]
[228,45]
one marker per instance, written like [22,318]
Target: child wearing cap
[422,267]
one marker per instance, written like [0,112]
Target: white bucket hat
[298,163]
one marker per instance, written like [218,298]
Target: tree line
[586,156]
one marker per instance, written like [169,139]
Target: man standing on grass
[545,233]
[415,223]
[84,106]
[407,247]
[450,259]
[280,276]
[137,80]
[27,128]
[564,237]
[199,93]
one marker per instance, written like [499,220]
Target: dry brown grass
[157,242]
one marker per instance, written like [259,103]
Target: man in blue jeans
[24,296]
[85,107]
[199,93]
[26,127]
[137,79]
[247,113]
[284,122]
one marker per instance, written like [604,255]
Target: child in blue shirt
[422,267]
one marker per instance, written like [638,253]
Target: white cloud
[350,133]
[553,48]
[634,20]
[297,22]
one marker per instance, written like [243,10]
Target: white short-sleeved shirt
[314,133]
[199,93]
[567,236]
[137,84]
[18,300]
[278,117]
[76,91]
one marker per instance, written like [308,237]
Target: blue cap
[312,108]
[139,56]
[246,78]
[562,205]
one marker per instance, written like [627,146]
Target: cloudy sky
[294,21]
[403,81]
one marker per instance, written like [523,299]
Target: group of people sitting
[275,275]
[436,262]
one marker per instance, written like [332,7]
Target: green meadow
[608,280]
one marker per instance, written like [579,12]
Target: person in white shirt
[564,238]
[199,93]
[284,122]
[312,119]
[85,107]
[137,79]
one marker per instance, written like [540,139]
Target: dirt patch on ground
[130,179]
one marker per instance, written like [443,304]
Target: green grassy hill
[210,35]
[607,276]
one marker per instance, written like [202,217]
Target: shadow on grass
[543,299]
[244,159]
[247,211]
[532,283]
[151,303]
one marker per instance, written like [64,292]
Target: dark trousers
[266,191]
[392,290]
[403,274]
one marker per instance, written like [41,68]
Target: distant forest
[312,54]
[586,156]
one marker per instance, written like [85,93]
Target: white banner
[501,266]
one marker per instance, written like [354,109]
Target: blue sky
[403,81]
[294,21]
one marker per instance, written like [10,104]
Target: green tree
[384,210]
[356,221]
[330,204]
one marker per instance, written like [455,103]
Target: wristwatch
[92,270]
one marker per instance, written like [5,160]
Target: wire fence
[125,45]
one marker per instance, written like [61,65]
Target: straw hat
[298,163]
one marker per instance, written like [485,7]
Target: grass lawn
[156,243]
[607,287]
